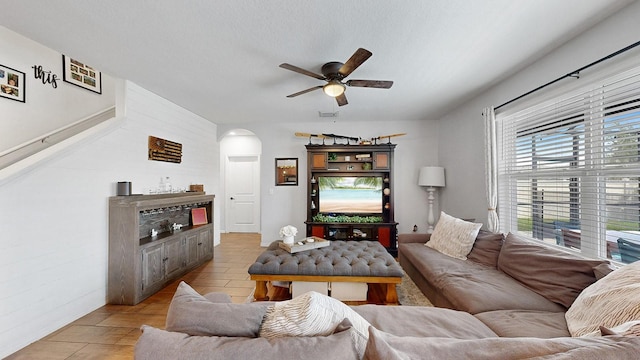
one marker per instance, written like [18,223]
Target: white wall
[461,142]
[54,218]
[46,108]
[287,203]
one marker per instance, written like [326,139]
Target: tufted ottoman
[342,261]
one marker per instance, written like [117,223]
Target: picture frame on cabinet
[199,216]
[80,74]
[12,84]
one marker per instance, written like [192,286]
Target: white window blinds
[569,170]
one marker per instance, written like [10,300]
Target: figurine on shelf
[154,232]
[176,226]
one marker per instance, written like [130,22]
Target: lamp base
[430,217]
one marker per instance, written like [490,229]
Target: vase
[288,240]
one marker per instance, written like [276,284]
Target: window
[569,170]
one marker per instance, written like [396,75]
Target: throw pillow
[609,302]
[453,236]
[193,314]
[312,314]
[554,274]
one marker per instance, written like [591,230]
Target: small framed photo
[80,74]
[199,216]
[12,84]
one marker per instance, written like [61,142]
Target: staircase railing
[20,152]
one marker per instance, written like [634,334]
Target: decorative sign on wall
[164,150]
[80,74]
[47,77]
[12,84]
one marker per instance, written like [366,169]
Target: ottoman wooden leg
[260,294]
[391,296]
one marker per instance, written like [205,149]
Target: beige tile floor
[111,331]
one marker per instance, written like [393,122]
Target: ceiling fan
[334,73]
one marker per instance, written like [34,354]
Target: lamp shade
[431,176]
[334,88]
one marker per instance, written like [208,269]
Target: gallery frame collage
[13,82]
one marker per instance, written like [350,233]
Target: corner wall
[461,143]
[54,218]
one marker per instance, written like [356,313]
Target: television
[350,194]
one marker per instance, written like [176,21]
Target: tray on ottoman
[305,244]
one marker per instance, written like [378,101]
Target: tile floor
[111,331]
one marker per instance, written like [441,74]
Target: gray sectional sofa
[506,301]
[516,287]
[211,327]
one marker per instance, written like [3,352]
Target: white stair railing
[34,146]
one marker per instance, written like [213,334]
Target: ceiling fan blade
[305,91]
[360,56]
[301,71]
[342,100]
[379,84]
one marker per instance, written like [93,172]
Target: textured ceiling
[220,59]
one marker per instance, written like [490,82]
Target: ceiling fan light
[334,88]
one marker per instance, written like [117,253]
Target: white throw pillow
[313,314]
[453,236]
[609,302]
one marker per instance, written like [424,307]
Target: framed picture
[286,171]
[80,74]
[199,216]
[12,84]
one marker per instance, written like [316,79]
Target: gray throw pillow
[193,314]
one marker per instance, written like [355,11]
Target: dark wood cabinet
[329,164]
[141,264]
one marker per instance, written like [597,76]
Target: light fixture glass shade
[431,176]
[334,88]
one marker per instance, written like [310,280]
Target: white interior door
[243,194]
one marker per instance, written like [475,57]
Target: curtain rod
[575,73]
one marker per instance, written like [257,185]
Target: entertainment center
[350,193]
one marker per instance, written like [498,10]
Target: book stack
[362,156]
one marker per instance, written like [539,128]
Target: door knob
[232,198]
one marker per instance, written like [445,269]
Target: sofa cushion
[193,314]
[486,248]
[311,314]
[603,270]
[383,346]
[453,236]
[156,344]
[611,301]
[525,323]
[472,287]
[424,321]
[554,274]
